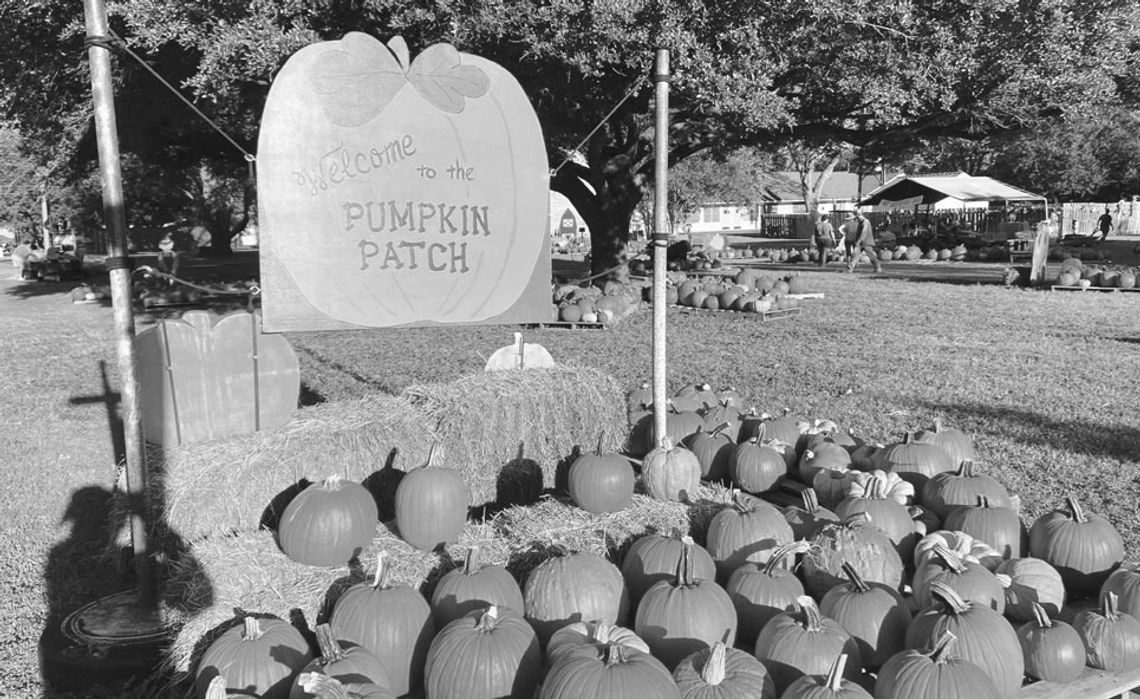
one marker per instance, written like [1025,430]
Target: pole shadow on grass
[1079,435]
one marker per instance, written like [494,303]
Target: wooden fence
[1080,218]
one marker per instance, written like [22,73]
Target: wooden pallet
[575,325]
[811,295]
[761,317]
[1058,287]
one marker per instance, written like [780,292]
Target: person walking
[864,241]
[824,238]
[1104,225]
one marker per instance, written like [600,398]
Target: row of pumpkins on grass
[750,290]
[1073,272]
[779,618]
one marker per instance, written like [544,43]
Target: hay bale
[227,485]
[509,432]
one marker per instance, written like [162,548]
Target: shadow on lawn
[1079,435]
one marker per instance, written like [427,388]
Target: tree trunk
[606,198]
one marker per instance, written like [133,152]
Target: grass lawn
[1047,382]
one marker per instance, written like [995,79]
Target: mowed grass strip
[1047,382]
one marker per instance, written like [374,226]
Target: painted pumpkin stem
[1041,617]
[489,620]
[952,560]
[1078,511]
[775,561]
[813,620]
[835,674]
[331,651]
[811,501]
[383,571]
[857,581]
[471,561]
[685,563]
[953,601]
[1109,606]
[252,628]
[713,671]
[944,650]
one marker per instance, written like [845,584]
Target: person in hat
[863,240]
[824,238]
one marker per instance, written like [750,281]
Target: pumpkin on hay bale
[236,484]
[510,432]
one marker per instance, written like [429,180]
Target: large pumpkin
[721,672]
[472,587]
[822,454]
[1000,527]
[713,449]
[328,523]
[761,592]
[956,443]
[757,467]
[830,686]
[972,581]
[856,541]
[570,588]
[1125,583]
[601,482]
[916,461]
[1084,547]
[347,664]
[653,558]
[875,615]
[1111,637]
[869,494]
[1032,582]
[945,491]
[831,485]
[610,672]
[431,505]
[679,616]
[935,674]
[1053,650]
[260,655]
[393,622]
[748,531]
[670,473]
[793,645]
[984,636]
[490,654]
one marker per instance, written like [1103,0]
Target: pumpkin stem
[471,561]
[983,501]
[331,651]
[953,601]
[1109,606]
[1078,511]
[813,620]
[1041,617]
[713,671]
[615,654]
[966,469]
[601,441]
[322,686]
[908,437]
[742,500]
[601,632]
[811,500]
[835,674]
[781,552]
[944,650]
[952,560]
[857,581]
[333,482]
[383,571]
[252,628]
[685,563]
[719,428]
[217,688]
[489,620]
[857,519]
[433,456]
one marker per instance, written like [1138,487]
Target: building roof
[930,189]
[840,186]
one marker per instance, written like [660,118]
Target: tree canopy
[745,72]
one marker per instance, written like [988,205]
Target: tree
[746,73]
[733,178]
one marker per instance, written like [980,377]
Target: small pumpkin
[984,636]
[679,616]
[831,485]
[726,414]
[654,557]
[670,473]
[1111,637]
[598,633]
[714,450]
[971,581]
[870,496]
[1053,650]
[328,523]
[351,664]
[472,587]
[916,461]
[1032,582]
[792,645]
[721,672]
[830,686]
[945,491]
[640,398]
[890,486]
[1125,582]
[820,455]
[956,443]
[680,423]
[1000,527]
[601,482]
[611,672]
[748,531]
[1084,547]
[431,504]
[565,589]
[761,592]
[962,544]
[487,654]
[393,622]
[757,467]
[807,519]
[875,615]
[260,655]
[934,674]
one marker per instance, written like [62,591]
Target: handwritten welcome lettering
[341,165]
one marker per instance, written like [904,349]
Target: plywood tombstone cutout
[201,380]
[520,355]
[400,191]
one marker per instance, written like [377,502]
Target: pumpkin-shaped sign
[395,191]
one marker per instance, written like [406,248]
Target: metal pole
[660,238]
[44,215]
[118,263]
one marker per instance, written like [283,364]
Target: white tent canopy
[928,190]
